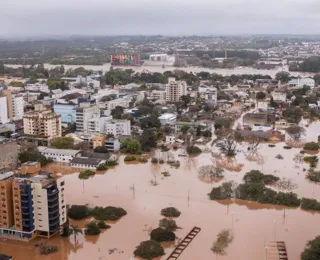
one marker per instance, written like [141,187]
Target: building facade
[175,90]
[83,114]
[42,123]
[67,112]
[34,206]
[118,127]
[59,155]
[3,110]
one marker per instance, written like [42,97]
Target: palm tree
[75,230]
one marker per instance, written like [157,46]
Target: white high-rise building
[3,110]
[17,107]
[83,115]
[118,127]
[175,89]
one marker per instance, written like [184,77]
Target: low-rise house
[31,168]
[113,145]
[300,82]
[170,139]
[59,155]
[167,118]
[279,96]
[89,160]
[282,124]
[262,104]
[251,119]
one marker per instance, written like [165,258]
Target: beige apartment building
[175,89]
[42,123]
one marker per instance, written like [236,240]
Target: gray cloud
[169,17]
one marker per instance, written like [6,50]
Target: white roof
[167,116]
[65,152]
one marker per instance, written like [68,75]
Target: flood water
[253,224]
[225,72]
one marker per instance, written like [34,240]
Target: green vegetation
[255,176]
[168,224]
[260,95]
[131,146]
[78,212]
[63,142]
[92,229]
[143,160]
[224,239]
[46,249]
[313,175]
[130,158]
[111,163]
[193,150]
[312,250]
[283,76]
[170,212]
[312,160]
[101,149]
[74,230]
[223,192]
[102,167]
[86,174]
[154,160]
[165,174]
[310,204]
[107,213]
[148,250]
[311,64]
[162,235]
[102,225]
[312,146]
[148,139]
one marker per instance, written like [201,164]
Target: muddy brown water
[252,224]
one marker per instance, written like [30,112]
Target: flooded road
[128,186]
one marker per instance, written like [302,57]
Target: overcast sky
[168,17]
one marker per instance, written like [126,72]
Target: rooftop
[5,176]
[66,152]
[86,161]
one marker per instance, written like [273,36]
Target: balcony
[52,192]
[53,200]
[53,217]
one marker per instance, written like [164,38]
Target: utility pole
[188,198]
[133,192]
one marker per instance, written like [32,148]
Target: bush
[310,204]
[112,163]
[176,164]
[78,212]
[165,174]
[102,225]
[46,249]
[108,213]
[154,160]
[312,250]
[224,239]
[101,149]
[143,160]
[168,224]
[279,156]
[222,192]
[312,160]
[312,146]
[170,212]
[149,249]
[287,147]
[313,175]
[130,158]
[84,175]
[193,150]
[92,229]
[255,176]
[162,235]
[102,167]
[161,161]
[131,146]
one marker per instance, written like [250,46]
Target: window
[40,226]
[39,208]
[39,201]
[39,214]
[39,196]
[62,183]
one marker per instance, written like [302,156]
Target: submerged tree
[295,133]
[228,146]
[210,173]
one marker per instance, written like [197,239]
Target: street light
[232,214]
[275,222]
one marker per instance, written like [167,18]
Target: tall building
[42,123]
[118,127]
[31,206]
[8,153]
[3,110]
[175,89]
[83,114]
[15,105]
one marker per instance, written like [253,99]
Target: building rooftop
[167,116]
[5,257]
[86,161]
[30,163]
[5,176]
[65,152]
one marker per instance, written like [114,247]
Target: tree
[283,76]
[168,224]
[295,132]
[101,149]
[62,70]
[170,212]
[148,139]
[131,146]
[186,99]
[117,112]
[149,250]
[92,229]
[317,79]
[228,146]
[260,95]
[210,173]
[75,230]
[64,142]
[312,250]
[185,129]
[78,212]
[162,235]
[199,130]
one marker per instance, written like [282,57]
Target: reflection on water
[252,223]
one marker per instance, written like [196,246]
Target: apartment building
[31,207]
[158,95]
[67,112]
[175,89]
[8,153]
[118,127]
[15,105]
[83,114]
[3,110]
[42,123]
